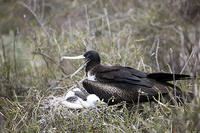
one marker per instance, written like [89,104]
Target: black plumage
[128,84]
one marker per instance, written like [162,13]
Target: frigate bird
[125,83]
[76,99]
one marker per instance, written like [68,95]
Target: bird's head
[91,57]
[93,99]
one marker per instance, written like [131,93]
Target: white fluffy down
[91,102]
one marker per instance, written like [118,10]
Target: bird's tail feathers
[163,77]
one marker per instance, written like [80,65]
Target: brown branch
[5,60]
[38,20]
[45,56]
[156,55]
[173,72]
[14,55]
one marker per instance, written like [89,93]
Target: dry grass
[133,33]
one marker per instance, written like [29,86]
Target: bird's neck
[91,65]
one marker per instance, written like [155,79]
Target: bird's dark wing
[106,69]
[81,94]
[121,76]
[168,76]
[107,91]
[72,99]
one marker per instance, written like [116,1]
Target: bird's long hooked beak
[74,58]
[80,68]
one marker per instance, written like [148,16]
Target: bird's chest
[91,76]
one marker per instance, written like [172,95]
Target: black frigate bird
[126,83]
